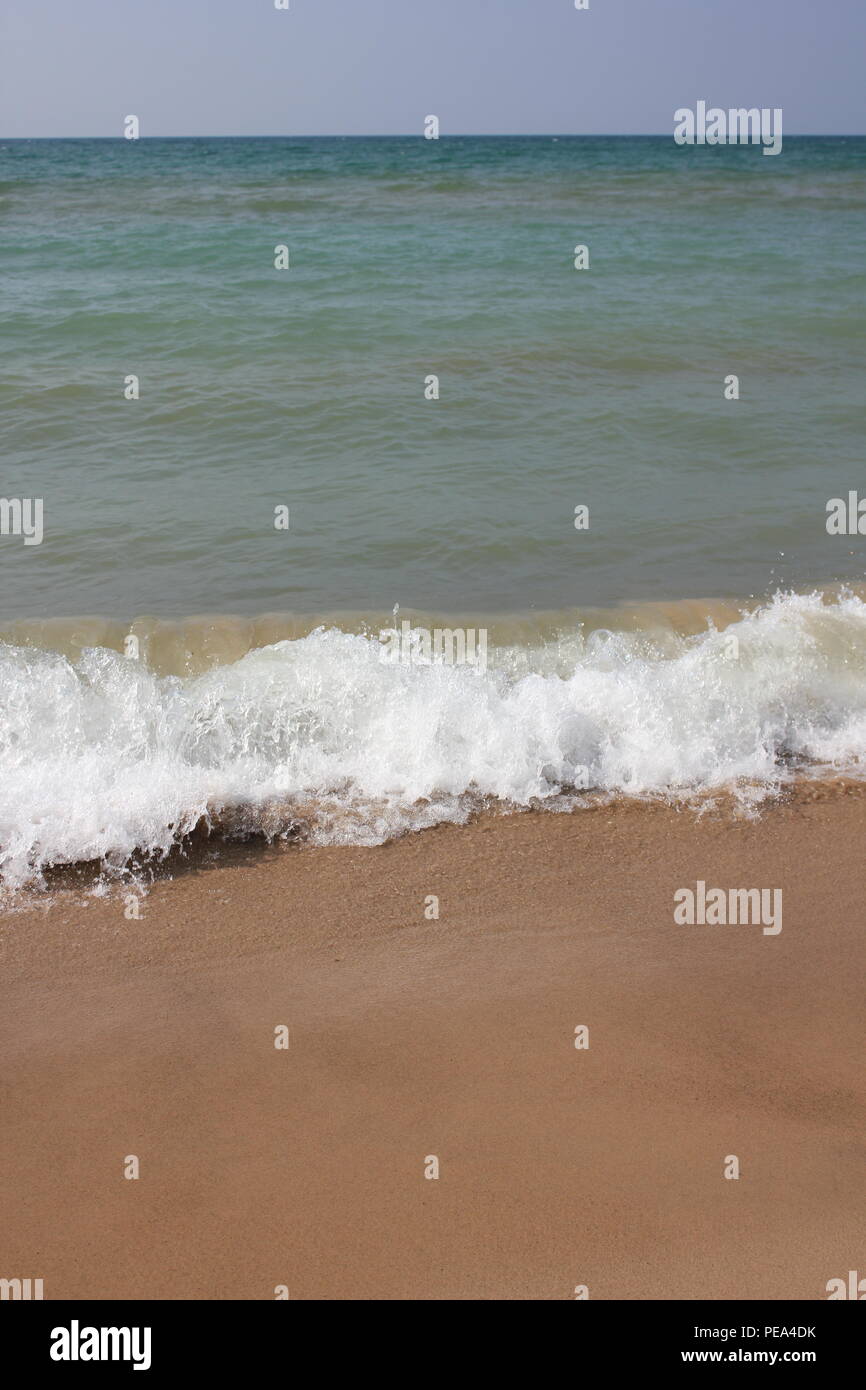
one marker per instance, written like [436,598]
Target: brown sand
[453,1038]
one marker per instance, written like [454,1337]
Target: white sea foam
[103,758]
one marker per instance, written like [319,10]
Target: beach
[432,699]
[266,1171]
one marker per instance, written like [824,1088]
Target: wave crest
[101,759]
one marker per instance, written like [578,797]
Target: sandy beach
[412,1037]
[432,672]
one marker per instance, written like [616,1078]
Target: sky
[357,67]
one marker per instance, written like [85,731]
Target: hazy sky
[241,67]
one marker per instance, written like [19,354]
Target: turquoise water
[275,713]
[305,387]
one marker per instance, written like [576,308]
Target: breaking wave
[101,759]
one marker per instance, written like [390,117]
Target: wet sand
[411,1037]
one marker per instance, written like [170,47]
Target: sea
[285,409]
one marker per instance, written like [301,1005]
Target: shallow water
[275,710]
[305,388]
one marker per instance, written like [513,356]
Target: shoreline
[411,1037]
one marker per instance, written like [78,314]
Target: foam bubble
[102,758]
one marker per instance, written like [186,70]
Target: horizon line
[454,135]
